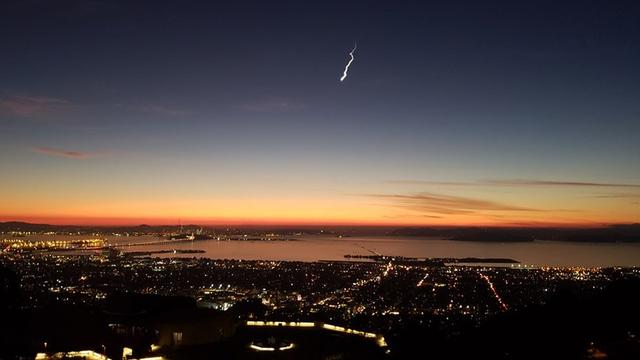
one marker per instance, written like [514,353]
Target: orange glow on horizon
[462,207]
[172,221]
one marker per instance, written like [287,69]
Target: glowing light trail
[346,68]
[419,284]
[387,269]
[495,293]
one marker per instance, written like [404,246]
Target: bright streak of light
[281,323]
[346,69]
[495,293]
[419,284]
[264,348]
[386,271]
[261,348]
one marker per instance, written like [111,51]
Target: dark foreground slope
[570,326]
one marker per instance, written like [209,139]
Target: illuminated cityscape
[265,306]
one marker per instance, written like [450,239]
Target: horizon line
[320,224]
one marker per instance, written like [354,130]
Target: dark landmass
[571,325]
[148,253]
[190,237]
[609,234]
[433,261]
[492,236]
[204,231]
[469,260]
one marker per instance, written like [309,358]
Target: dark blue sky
[438,91]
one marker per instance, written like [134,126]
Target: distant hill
[192,228]
[613,233]
[493,236]
[31,227]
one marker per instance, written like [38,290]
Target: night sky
[453,113]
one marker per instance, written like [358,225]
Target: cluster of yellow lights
[379,338]
[85,354]
[88,355]
[281,323]
[19,244]
[348,331]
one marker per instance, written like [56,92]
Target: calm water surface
[312,248]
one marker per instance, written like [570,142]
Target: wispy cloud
[163,110]
[271,104]
[517,182]
[428,182]
[402,216]
[616,196]
[63,153]
[152,108]
[431,203]
[31,106]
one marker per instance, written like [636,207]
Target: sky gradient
[464,113]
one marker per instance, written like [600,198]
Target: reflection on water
[312,248]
